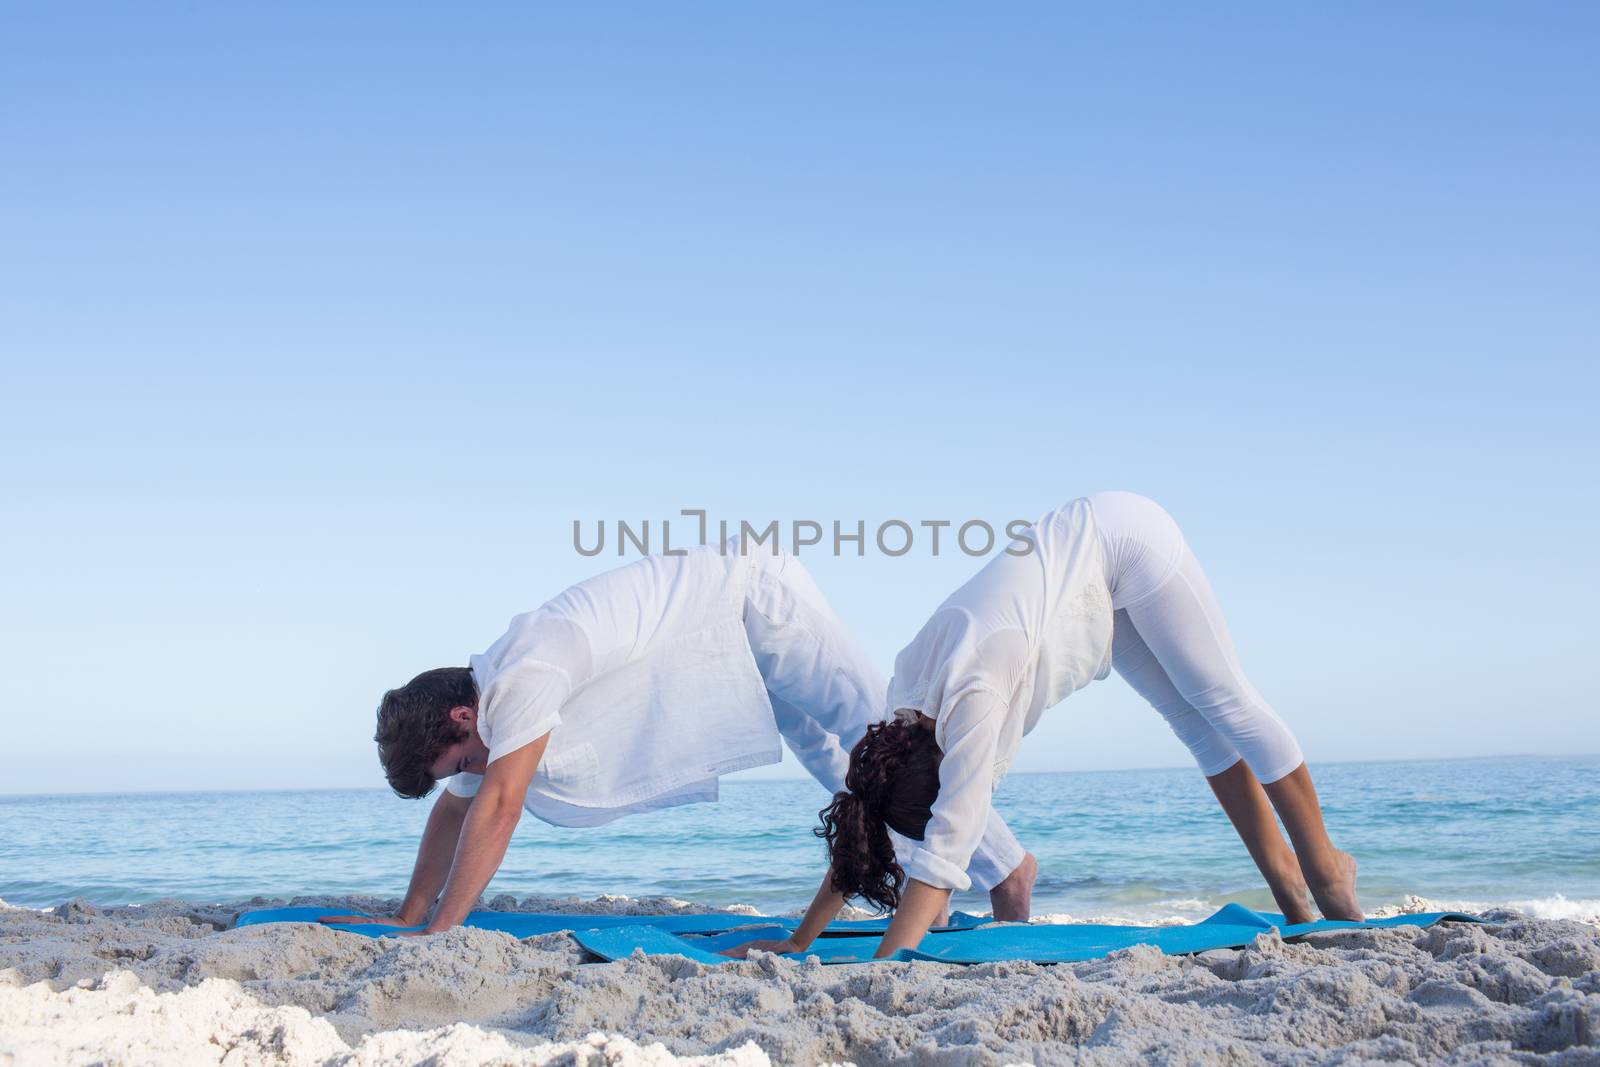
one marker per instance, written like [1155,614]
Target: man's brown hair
[414,726]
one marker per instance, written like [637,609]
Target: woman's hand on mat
[379,920]
[743,951]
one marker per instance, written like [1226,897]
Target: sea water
[1136,845]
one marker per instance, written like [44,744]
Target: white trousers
[825,692]
[1169,641]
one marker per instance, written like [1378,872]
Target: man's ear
[462,715]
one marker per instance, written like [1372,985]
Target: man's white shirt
[644,679]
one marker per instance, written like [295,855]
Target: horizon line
[773,781]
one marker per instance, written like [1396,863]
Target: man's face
[469,754]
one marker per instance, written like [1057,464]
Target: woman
[1106,581]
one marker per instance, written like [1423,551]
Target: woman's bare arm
[825,906]
[920,905]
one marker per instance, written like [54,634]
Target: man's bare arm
[486,832]
[440,839]
[434,856]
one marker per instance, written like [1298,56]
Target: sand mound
[117,1019]
[164,984]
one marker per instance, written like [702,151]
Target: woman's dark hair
[892,782]
[414,726]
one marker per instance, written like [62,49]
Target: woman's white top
[643,678]
[1025,633]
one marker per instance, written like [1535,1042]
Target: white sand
[169,984]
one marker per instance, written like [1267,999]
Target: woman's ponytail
[892,782]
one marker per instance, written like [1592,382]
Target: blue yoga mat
[527,924]
[1232,927]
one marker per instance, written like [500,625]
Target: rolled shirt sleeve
[519,704]
[968,734]
[516,707]
[998,854]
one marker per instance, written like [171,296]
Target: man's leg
[824,689]
[1005,869]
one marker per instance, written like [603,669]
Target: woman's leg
[1242,797]
[1183,626]
[1230,779]
[1333,881]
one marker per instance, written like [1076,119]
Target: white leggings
[1169,641]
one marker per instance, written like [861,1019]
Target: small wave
[1179,911]
[6,906]
[1143,919]
[1187,904]
[1557,906]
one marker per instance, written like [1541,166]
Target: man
[634,691]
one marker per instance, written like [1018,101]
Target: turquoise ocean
[1119,844]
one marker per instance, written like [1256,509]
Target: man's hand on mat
[743,951]
[377,919]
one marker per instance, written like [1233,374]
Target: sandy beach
[172,983]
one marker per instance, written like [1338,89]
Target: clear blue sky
[321,326]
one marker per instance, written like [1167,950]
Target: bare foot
[1337,895]
[1012,899]
[1292,897]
